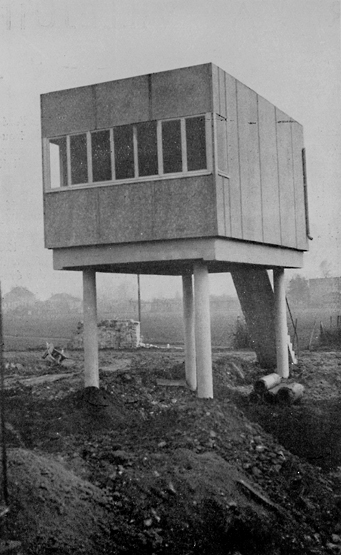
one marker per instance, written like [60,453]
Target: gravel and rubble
[144,466]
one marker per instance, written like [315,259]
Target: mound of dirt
[142,465]
[51,508]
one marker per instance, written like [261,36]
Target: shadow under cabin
[183,172]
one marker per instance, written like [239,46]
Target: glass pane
[58,163]
[101,156]
[171,146]
[147,148]
[79,159]
[124,152]
[196,143]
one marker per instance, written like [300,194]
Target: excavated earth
[144,466]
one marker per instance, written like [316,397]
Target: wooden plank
[233,157]
[122,102]
[68,111]
[297,141]
[126,213]
[269,172]
[249,164]
[71,218]
[286,179]
[181,92]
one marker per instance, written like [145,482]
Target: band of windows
[145,149]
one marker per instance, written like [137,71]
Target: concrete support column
[281,327]
[189,330]
[203,331]
[91,374]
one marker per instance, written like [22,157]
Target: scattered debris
[54,356]
[285,393]
[272,389]
[260,497]
[267,382]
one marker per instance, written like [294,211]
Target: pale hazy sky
[286,50]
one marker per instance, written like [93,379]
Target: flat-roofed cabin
[162,172]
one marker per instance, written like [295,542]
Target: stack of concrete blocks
[112,334]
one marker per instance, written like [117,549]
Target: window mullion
[89,156]
[184,145]
[112,151]
[159,147]
[136,164]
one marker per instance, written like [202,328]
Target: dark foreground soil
[143,466]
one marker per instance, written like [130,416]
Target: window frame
[209,119]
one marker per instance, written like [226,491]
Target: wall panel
[297,139]
[249,163]
[185,208]
[126,213]
[181,92]
[215,89]
[269,172]
[233,158]
[71,218]
[286,179]
[221,206]
[68,111]
[122,102]
[222,93]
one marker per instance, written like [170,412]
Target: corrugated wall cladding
[182,92]
[165,209]
[264,168]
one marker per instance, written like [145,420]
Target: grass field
[30,332]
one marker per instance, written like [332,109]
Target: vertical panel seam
[240,176]
[279,183]
[260,169]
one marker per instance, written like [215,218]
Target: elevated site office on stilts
[182,172]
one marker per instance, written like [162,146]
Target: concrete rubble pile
[112,334]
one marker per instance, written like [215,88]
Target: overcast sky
[286,50]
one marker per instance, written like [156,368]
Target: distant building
[18,297]
[63,302]
[325,291]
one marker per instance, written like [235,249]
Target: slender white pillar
[281,327]
[91,374]
[188,315]
[203,331]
